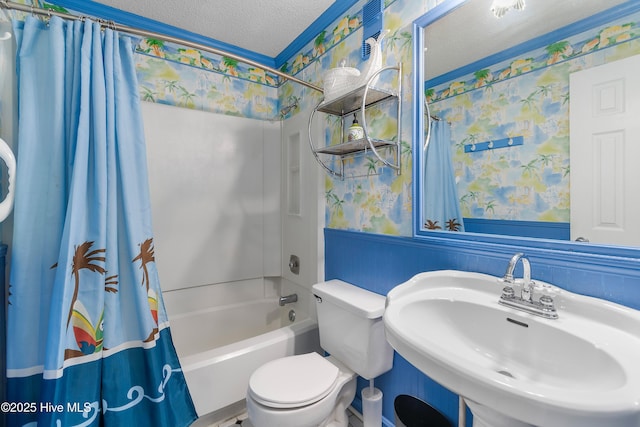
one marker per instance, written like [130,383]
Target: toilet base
[339,417]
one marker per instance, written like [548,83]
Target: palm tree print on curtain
[82,259]
[452,224]
[89,335]
[146,256]
[441,207]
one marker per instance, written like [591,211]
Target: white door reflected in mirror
[605,148]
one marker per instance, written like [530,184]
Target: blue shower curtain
[441,207]
[88,337]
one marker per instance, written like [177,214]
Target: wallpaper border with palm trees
[323,42]
[582,44]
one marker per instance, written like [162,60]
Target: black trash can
[413,412]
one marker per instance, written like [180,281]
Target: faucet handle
[548,307]
[547,302]
[507,293]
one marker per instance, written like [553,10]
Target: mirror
[501,87]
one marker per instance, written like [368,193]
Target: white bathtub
[220,347]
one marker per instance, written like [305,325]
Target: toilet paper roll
[372,407]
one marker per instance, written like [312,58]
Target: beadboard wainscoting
[379,263]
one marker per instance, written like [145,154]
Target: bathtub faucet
[288,299]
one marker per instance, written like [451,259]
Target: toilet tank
[351,327]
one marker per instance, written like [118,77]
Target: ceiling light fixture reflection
[500,7]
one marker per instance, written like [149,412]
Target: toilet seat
[293,381]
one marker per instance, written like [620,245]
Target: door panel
[605,151]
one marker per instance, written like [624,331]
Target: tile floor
[241,420]
[354,420]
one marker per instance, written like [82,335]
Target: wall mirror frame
[419,122]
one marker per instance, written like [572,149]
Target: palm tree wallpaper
[526,96]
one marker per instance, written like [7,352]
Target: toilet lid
[293,381]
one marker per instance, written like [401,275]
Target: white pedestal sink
[515,368]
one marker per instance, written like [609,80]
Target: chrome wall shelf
[352,147]
[352,101]
[345,105]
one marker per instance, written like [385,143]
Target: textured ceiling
[266,27]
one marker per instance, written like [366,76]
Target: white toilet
[309,390]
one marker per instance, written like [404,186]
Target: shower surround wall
[243,99]
[215,195]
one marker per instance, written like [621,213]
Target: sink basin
[514,368]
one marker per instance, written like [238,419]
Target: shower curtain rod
[150,34]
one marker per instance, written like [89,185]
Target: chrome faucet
[288,299]
[527,283]
[543,307]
